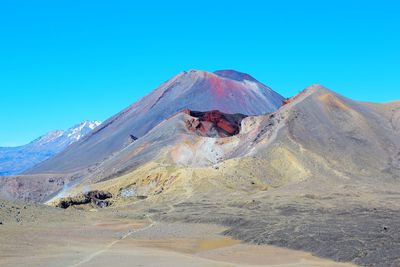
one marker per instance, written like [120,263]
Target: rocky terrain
[318,173]
[226,91]
[44,236]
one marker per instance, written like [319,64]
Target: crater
[214,123]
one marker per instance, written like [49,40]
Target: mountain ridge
[195,90]
[15,160]
[315,174]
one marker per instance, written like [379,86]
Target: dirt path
[110,245]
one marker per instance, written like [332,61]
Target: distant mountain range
[15,160]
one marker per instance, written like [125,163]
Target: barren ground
[32,235]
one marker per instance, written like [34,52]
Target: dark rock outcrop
[95,198]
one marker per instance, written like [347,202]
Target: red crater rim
[214,123]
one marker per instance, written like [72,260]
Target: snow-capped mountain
[15,160]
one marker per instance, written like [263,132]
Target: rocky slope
[226,91]
[319,134]
[15,160]
[321,173]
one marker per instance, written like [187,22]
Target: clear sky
[65,61]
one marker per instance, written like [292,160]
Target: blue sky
[65,61]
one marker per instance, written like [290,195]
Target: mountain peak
[227,74]
[316,88]
[234,75]
[48,137]
[65,137]
[15,160]
[88,123]
[80,130]
[228,91]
